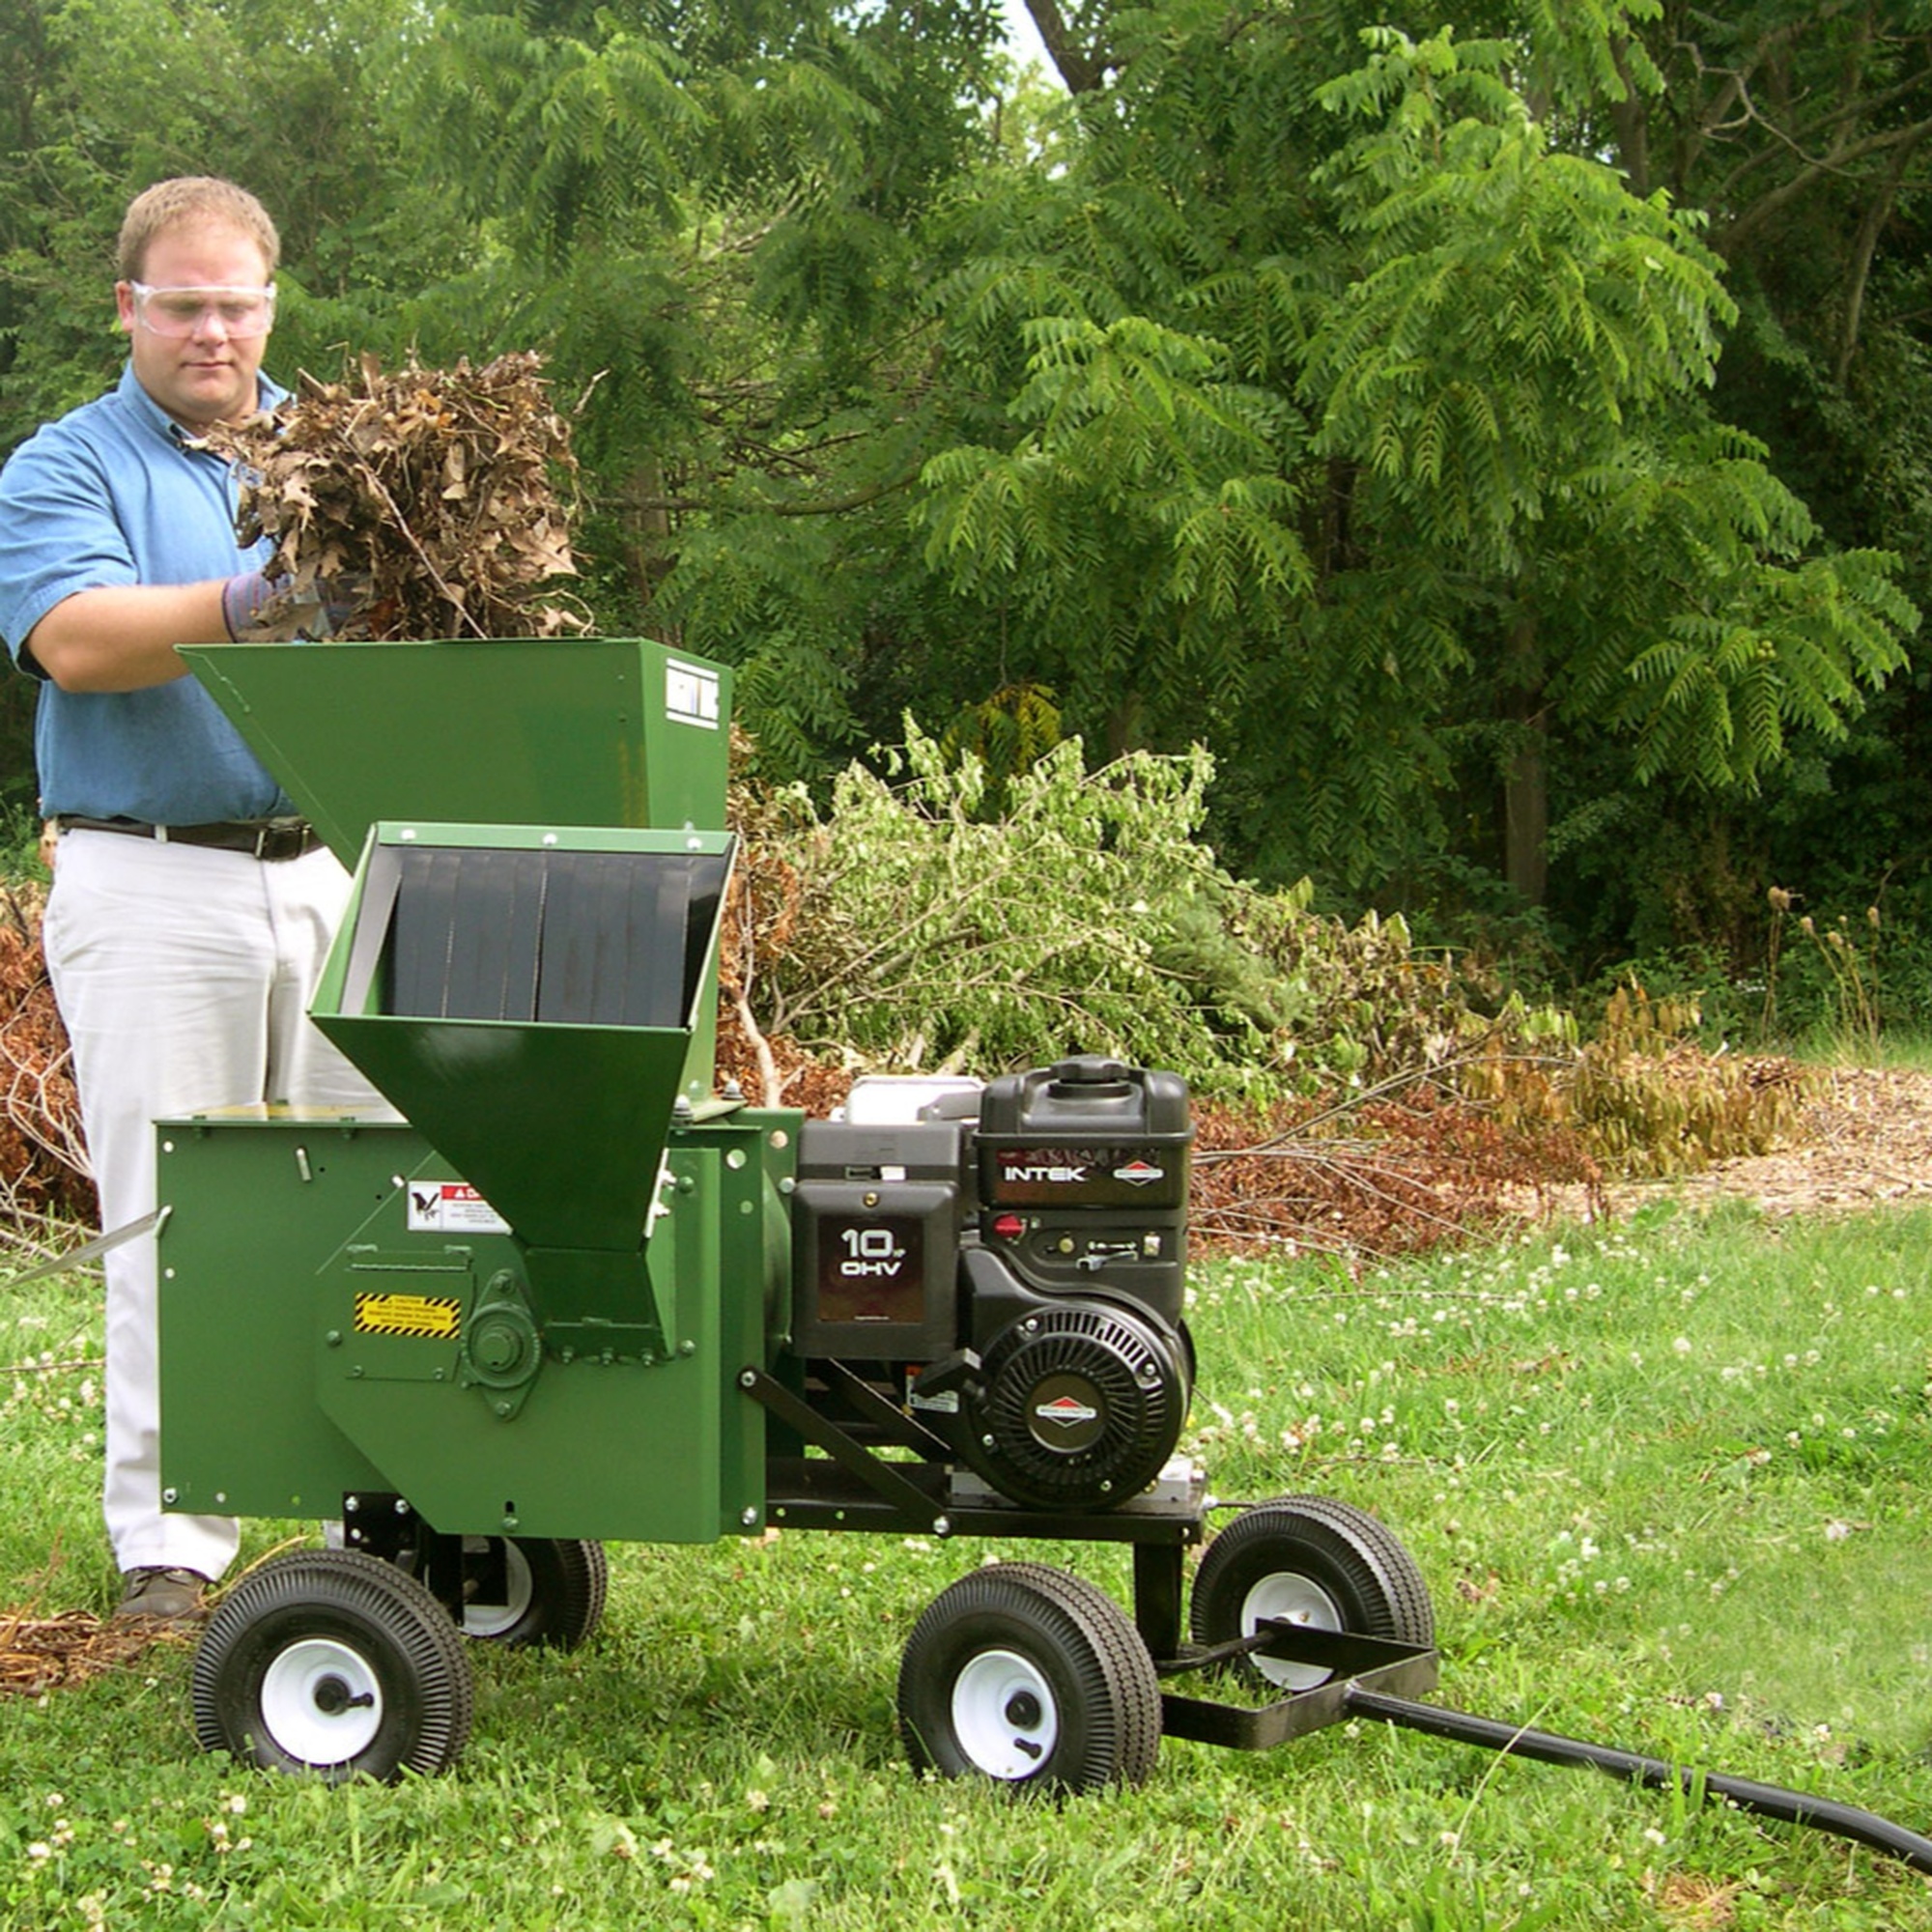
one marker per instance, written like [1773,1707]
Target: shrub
[909,927]
[903,929]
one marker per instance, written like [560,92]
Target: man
[191,909]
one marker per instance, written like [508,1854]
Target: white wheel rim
[321,1701]
[1004,1714]
[482,1619]
[1290,1598]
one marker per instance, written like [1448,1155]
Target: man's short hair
[189,198]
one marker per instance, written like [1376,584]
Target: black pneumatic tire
[1031,1676]
[554,1595]
[334,1662]
[1310,1560]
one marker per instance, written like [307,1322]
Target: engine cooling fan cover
[1079,1406]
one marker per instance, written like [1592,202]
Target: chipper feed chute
[526,997]
[495,731]
[588,731]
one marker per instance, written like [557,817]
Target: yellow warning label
[438,1317]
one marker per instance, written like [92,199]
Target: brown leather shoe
[159,1596]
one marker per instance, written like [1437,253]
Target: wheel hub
[322,1701]
[1003,1714]
[333,1696]
[483,1616]
[1290,1598]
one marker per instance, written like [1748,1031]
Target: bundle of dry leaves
[426,500]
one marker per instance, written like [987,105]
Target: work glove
[260,609]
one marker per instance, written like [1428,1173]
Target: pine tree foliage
[1362,428]
[1518,375]
[713,209]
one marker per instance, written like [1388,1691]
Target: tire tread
[1121,1713]
[370,1594]
[1352,1553]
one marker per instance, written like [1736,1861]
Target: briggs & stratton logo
[1065,1409]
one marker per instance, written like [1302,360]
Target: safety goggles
[177,313]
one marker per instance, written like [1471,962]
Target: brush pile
[422,505]
[43,1171]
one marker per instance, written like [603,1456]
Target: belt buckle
[276,842]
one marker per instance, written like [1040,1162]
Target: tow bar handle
[1768,1801]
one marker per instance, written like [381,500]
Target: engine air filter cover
[1082,1173]
[1077,1407]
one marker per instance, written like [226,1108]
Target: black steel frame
[854,1488]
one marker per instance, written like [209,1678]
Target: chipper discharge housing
[556,1291]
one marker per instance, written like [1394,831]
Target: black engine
[1020,1273]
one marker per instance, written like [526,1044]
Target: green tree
[1801,130]
[1513,380]
[1474,443]
[1367,439]
[713,211]
[107,96]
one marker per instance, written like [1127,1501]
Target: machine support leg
[1157,1597]
[1768,1801]
[877,1410]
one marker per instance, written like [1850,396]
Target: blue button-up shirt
[113,494]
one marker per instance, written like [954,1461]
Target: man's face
[208,375]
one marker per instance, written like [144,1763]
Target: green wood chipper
[561,1291]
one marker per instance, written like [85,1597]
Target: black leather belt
[270,838]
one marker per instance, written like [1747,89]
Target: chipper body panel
[523,1306]
[343,1314]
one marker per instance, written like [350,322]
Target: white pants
[183,974]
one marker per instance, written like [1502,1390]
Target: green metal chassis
[313,1365]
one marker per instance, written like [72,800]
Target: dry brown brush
[428,499]
[44,1170]
[1410,1168]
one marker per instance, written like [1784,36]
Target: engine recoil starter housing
[1076,1406]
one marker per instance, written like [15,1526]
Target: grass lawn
[1670,1484]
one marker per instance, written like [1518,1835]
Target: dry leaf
[430,494]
